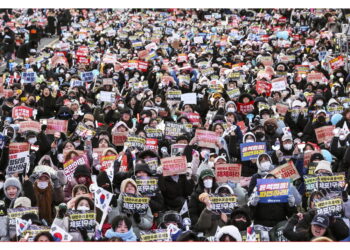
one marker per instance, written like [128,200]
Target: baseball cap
[320,220]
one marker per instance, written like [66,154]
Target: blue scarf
[128,236]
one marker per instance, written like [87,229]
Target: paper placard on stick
[54,125]
[189,98]
[324,134]
[18,162]
[206,138]
[285,171]
[29,126]
[228,172]
[107,96]
[174,165]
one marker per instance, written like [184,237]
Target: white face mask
[211,164]
[208,183]
[319,102]
[83,208]
[76,144]
[288,146]
[249,140]
[265,166]
[146,120]
[342,137]
[231,110]
[32,140]
[43,184]
[121,106]
[158,103]
[1,185]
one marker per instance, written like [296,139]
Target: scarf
[128,236]
[44,202]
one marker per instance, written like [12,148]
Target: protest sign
[83,131]
[223,204]
[22,112]
[18,162]
[310,184]
[151,144]
[233,93]
[174,165]
[33,230]
[136,142]
[273,190]
[173,130]
[335,182]
[107,81]
[189,98]
[206,138]
[173,95]
[177,149]
[153,132]
[263,87]
[279,84]
[119,138]
[28,77]
[132,204]
[302,69]
[29,126]
[70,165]
[252,150]
[107,96]
[17,147]
[324,134]
[337,62]
[81,219]
[54,125]
[314,77]
[107,161]
[154,235]
[152,163]
[87,76]
[335,110]
[228,172]
[285,171]
[330,206]
[194,118]
[13,213]
[147,186]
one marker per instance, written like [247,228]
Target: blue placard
[87,76]
[304,28]
[28,77]
[252,150]
[273,190]
[77,83]
[2,141]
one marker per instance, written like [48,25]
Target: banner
[29,126]
[154,235]
[153,133]
[147,186]
[223,204]
[173,130]
[21,112]
[17,147]
[273,190]
[324,134]
[206,138]
[119,138]
[330,206]
[54,125]
[81,219]
[286,171]
[228,172]
[18,163]
[70,165]
[174,165]
[136,142]
[252,150]
[132,204]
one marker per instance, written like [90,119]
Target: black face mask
[241,225]
[321,119]
[259,135]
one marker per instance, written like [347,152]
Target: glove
[189,173]
[300,134]
[254,199]
[160,170]
[291,200]
[62,209]
[137,218]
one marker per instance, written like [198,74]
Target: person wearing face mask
[271,135]
[46,197]
[285,153]
[82,203]
[206,183]
[296,119]
[309,131]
